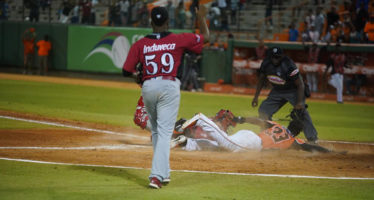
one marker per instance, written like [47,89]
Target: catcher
[214,136]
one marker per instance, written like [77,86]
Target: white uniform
[242,140]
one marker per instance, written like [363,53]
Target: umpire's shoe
[155,183]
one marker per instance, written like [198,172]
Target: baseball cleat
[177,141]
[155,183]
[166,180]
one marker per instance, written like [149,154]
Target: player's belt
[171,78]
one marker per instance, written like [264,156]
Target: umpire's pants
[276,100]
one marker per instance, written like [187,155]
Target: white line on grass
[191,171]
[129,135]
[112,147]
[74,127]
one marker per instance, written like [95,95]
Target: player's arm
[132,60]
[201,13]
[253,120]
[300,93]
[260,85]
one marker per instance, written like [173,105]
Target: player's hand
[254,102]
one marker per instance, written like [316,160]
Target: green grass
[45,181]
[350,122]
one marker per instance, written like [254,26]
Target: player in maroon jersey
[160,54]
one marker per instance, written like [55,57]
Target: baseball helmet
[226,118]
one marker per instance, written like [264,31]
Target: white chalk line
[192,171]
[134,136]
[104,147]
[74,127]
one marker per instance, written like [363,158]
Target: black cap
[159,15]
[276,52]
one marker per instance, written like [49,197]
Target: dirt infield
[87,147]
[132,148]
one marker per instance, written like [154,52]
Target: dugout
[241,67]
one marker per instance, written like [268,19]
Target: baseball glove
[139,74]
[298,114]
[296,124]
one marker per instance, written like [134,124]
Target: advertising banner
[101,49]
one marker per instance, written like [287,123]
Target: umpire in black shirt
[288,86]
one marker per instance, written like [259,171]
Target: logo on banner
[114,45]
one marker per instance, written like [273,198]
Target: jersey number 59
[167,64]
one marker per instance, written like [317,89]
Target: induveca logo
[114,45]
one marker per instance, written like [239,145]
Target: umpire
[288,86]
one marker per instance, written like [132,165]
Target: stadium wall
[11,50]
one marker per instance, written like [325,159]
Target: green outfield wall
[11,51]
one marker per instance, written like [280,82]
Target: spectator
[369,30]
[180,15]
[124,7]
[337,61]
[319,21]
[92,19]
[135,13]
[114,15]
[260,50]
[313,34]
[332,16]
[361,18]
[45,4]
[66,8]
[214,16]
[293,33]
[4,9]
[34,10]
[86,11]
[28,40]
[143,15]
[75,16]
[268,14]
[328,36]
[363,3]
[309,19]
[44,47]
[354,36]
[171,10]
[195,3]
[234,8]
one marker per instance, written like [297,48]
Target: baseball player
[273,135]
[160,55]
[288,86]
[337,61]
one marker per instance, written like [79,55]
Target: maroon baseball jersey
[161,53]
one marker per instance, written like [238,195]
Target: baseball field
[70,138]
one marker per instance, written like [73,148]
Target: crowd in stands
[350,22]
[325,21]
